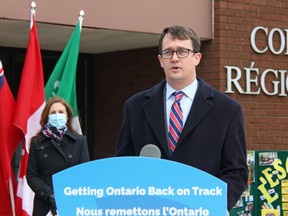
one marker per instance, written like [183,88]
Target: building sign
[269,81]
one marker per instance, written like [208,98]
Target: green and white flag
[62,81]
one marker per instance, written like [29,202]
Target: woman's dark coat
[47,157]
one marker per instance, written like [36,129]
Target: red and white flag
[29,105]
[10,138]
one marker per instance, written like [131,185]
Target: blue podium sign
[138,186]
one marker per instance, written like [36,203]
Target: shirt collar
[189,90]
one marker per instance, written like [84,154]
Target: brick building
[265,113]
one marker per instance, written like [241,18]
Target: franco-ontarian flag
[62,81]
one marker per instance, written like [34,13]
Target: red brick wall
[266,117]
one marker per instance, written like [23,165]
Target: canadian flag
[29,105]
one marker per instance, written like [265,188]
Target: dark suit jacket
[46,158]
[212,139]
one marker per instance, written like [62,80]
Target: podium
[138,186]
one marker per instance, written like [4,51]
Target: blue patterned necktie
[176,121]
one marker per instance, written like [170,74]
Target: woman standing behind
[55,147]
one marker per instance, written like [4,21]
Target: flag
[62,81]
[29,105]
[9,140]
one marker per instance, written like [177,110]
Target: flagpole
[12,196]
[80,18]
[33,12]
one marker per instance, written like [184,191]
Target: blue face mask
[57,120]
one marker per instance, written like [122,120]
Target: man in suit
[203,129]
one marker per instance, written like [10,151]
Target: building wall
[118,76]
[266,121]
[126,15]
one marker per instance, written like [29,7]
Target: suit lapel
[154,110]
[201,105]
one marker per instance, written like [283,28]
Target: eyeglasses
[181,53]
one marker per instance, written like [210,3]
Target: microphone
[150,150]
